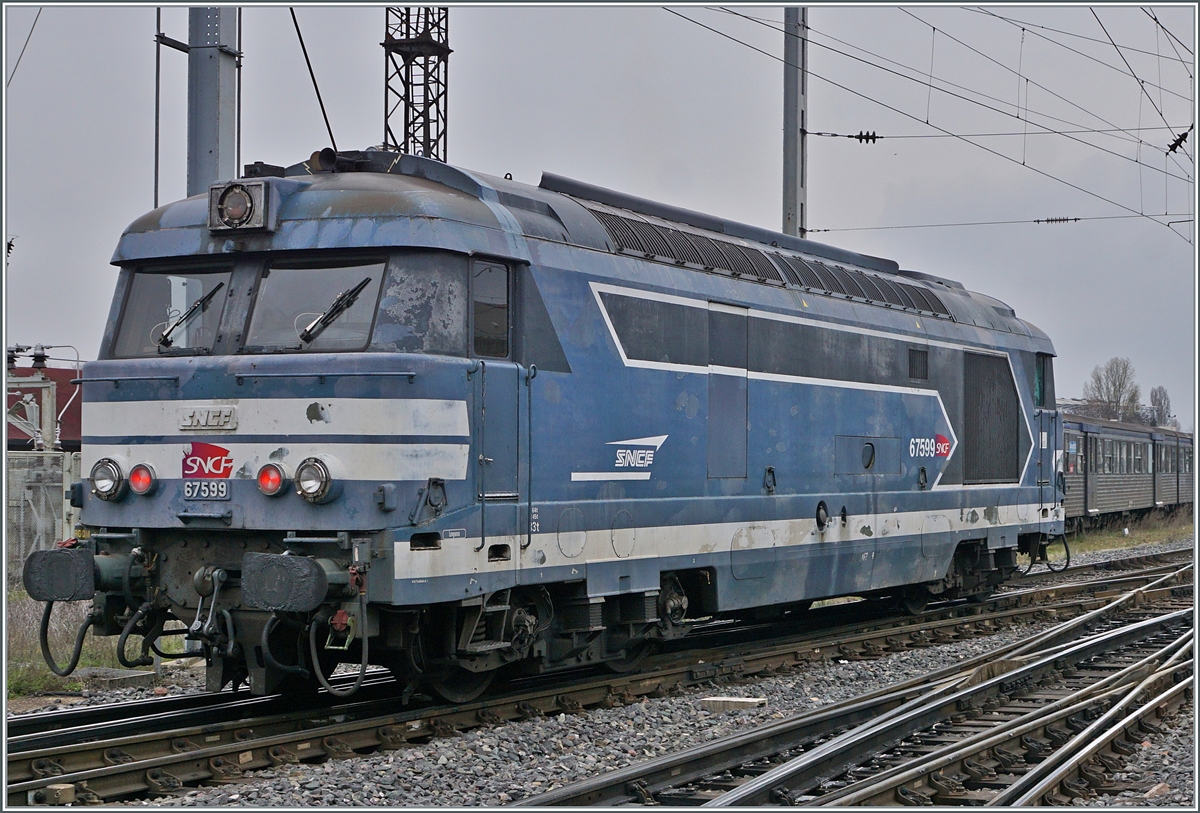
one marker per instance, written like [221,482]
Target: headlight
[244,204]
[235,206]
[272,479]
[142,480]
[108,483]
[314,481]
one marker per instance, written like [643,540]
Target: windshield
[157,300]
[305,307]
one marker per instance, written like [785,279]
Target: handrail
[321,376]
[116,380]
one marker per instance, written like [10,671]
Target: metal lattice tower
[416,59]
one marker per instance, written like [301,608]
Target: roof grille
[661,242]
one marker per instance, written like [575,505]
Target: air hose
[270,659]
[44,640]
[144,660]
[316,664]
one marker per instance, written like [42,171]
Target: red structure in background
[34,381]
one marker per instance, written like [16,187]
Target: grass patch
[27,671]
[1151,529]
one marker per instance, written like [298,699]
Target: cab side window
[489,296]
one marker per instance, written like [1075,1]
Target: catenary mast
[795,124]
[416,47]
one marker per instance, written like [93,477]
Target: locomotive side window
[1043,381]
[489,296]
[315,307]
[1137,459]
[182,306]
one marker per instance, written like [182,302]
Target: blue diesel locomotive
[373,408]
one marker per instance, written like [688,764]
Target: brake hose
[270,659]
[144,660]
[44,640]
[316,665]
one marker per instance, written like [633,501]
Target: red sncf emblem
[941,446]
[206,460]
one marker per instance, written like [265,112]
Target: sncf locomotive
[372,408]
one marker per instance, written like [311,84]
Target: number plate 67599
[206,489]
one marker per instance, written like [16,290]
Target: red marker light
[141,479]
[271,479]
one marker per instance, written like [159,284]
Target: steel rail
[618,787]
[1174,696]
[1044,776]
[20,726]
[841,752]
[233,710]
[1091,696]
[1128,562]
[114,781]
[109,781]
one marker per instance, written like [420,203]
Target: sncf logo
[206,460]
[638,458]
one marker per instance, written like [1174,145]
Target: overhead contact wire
[1018,24]
[308,62]
[1050,130]
[23,47]
[887,106]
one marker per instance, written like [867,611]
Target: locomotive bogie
[452,424]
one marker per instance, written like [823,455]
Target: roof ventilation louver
[712,257]
[807,278]
[651,237]
[735,260]
[682,249]
[789,271]
[662,242]
[870,288]
[849,281]
[890,294]
[618,229]
[829,282]
[906,297]
[764,269]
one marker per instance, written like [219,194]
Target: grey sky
[640,100]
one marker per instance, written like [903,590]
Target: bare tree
[1160,406]
[1112,393]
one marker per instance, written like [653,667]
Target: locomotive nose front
[249,452]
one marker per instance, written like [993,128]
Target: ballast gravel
[1162,771]
[494,766]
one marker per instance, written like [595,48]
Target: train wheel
[914,600]
[632,658]
[461,685]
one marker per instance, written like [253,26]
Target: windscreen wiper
[199,306]
[341,303]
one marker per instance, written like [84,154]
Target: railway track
[1141,562]
[116,715]
[120,764]
[970,734]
